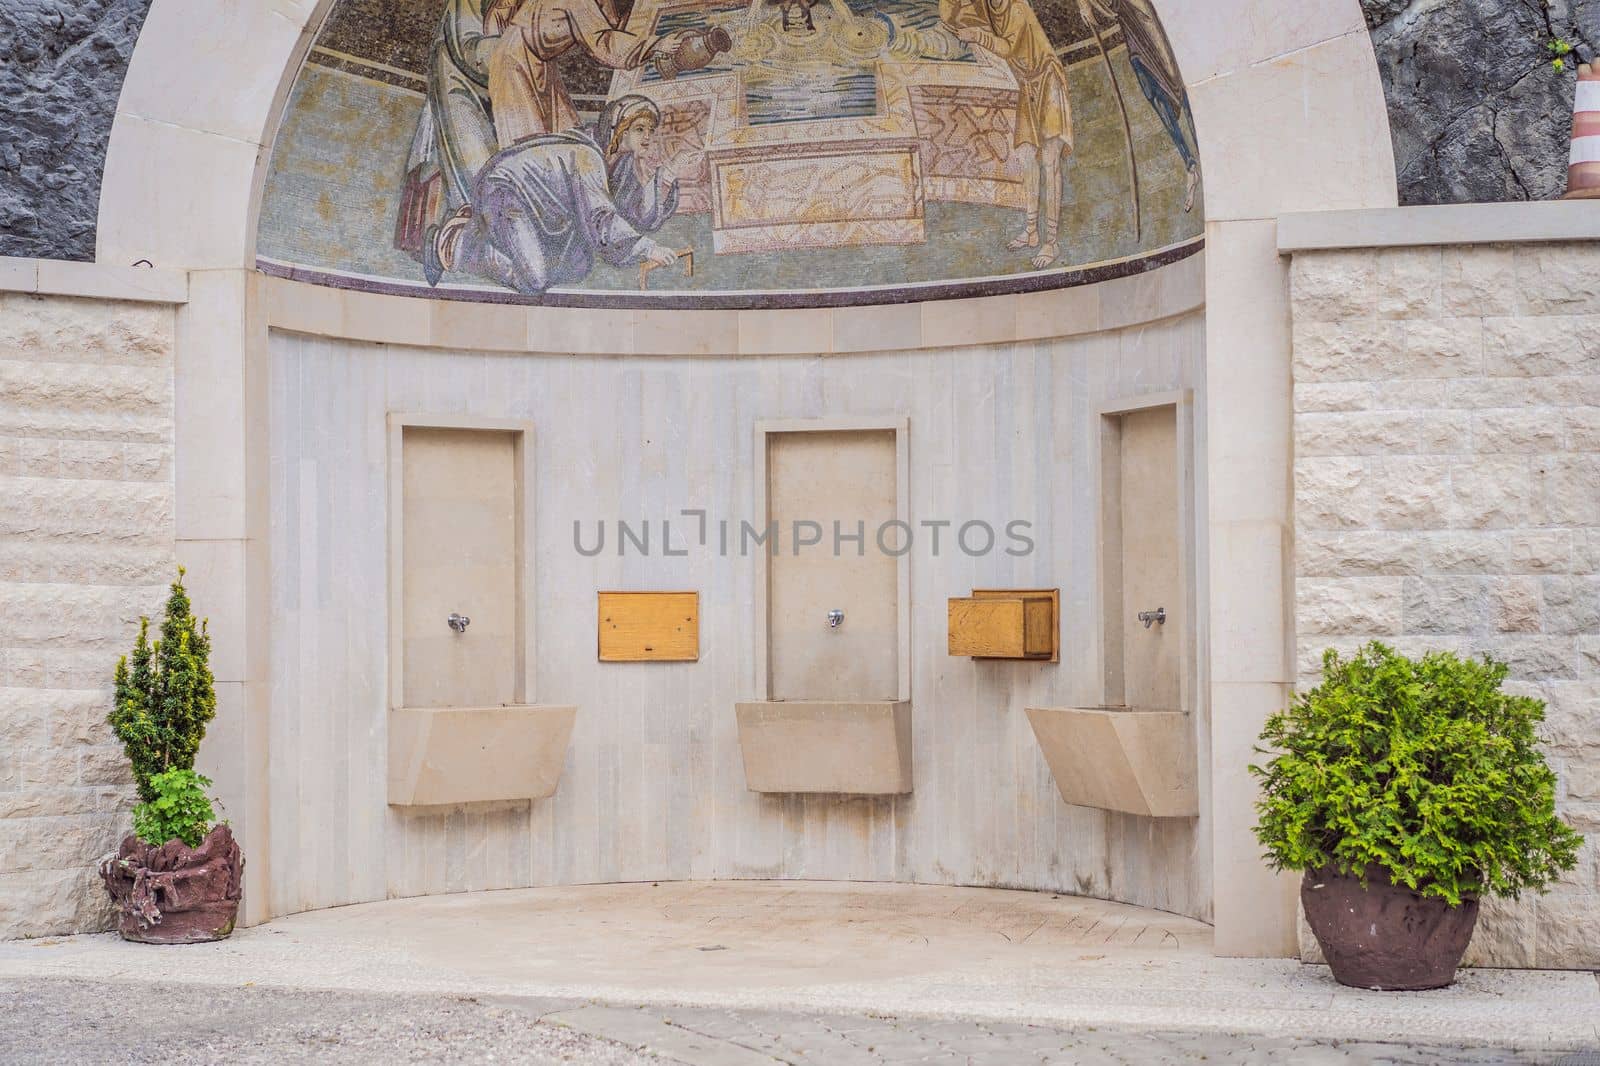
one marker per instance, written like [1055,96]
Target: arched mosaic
[744,153]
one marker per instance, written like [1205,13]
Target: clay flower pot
[1385,936]
[175,894]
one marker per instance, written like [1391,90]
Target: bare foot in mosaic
[1047,255]
[1028,238]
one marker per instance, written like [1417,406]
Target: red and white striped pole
[1583,175]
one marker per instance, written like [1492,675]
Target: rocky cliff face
[1476,110]
[61,68]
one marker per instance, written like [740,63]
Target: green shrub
[164,695]
[1425,770]
[180,810]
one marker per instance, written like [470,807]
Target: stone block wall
[1447,495]
[86,547]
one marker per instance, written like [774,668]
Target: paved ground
[913,971]
[70,1022]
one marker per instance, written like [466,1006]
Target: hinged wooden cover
[1006,624]
[649,627]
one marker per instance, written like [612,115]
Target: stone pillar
[221,517]
[1248,423]
[1333,151]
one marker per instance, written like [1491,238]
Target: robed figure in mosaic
[547,207]
[492,83]
[455,133]
[1156,69]
[1010,30]
[525,87]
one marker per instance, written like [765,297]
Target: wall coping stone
[60,277]
[1140,299]
[1399,227]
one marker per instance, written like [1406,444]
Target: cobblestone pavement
[47,1020]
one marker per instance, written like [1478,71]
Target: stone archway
[185,165]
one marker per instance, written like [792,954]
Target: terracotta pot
[175,894]
[1385,936]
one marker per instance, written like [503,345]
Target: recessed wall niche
[1136,753]
[833,611]
[1146,552]
[462,727]
[459,611]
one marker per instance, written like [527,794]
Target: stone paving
[764,1038]
[747,968]
[73,1021]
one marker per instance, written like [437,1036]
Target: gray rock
[1476,111]
[61,68]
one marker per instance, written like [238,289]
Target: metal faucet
[458,622]
[835,618]
[1157,617]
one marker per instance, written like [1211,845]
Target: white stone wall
[86,546]
[1447,495]
[654,784]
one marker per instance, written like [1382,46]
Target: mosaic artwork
[732,152]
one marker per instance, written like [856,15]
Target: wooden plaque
[642,627]
[1006,624]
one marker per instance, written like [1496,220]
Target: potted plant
[176,877]
[1406,790]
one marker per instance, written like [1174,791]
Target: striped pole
[1583,176]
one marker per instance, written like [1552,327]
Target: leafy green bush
[180,810]
[1425,770]
[164,695]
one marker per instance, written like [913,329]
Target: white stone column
[1289,113]
[1249,462]
[221,520]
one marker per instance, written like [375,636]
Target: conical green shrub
[164,694]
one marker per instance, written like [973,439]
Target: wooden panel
[640,627]
[1006,624]
[987,629]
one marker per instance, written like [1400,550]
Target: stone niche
[835,672]
[461,728]
[1136,753]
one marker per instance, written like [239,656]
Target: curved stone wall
[654,788]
